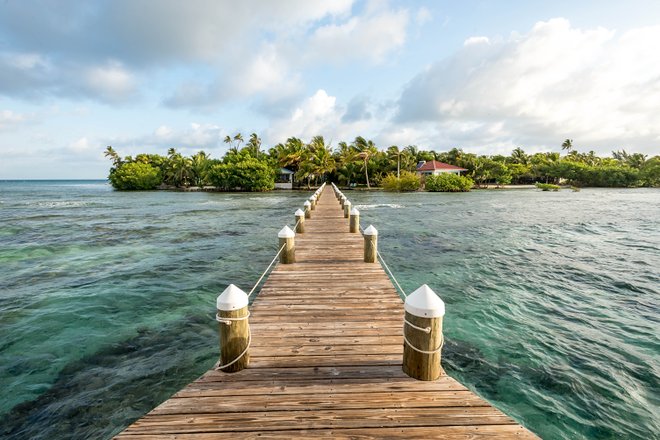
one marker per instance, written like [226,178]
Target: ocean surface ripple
[107,298]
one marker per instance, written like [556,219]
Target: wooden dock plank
[325,361]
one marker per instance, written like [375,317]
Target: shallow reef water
[107,298]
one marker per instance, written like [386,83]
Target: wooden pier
[325,360]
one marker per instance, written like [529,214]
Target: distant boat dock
[321,352]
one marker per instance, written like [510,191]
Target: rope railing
[254,288]
[387,269]
[266,271]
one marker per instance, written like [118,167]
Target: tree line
[247,166]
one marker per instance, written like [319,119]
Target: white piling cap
[424,303]
[232,298]
[286,232]
[355,211]
[347,203]
[370,230]
[300,213]
[307,203]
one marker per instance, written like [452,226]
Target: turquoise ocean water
[107,298]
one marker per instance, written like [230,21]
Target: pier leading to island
[325,360]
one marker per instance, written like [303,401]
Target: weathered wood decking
[325,361]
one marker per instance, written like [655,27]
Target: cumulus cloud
[371,36]
[110,82]
[321,114]
[220,50]
[62,49]
[316,115]
[593,85]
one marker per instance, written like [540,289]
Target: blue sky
[486,76]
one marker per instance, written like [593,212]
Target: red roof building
[434,167]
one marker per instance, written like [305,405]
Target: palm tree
[199,168]
[393,152]
[365,150]
[519,156]
[233,148]
[238,138]
[291,153]
[254,145]
[112,154]
[413,151]
[346,156]
[567,145]
[321,157]
[178,170]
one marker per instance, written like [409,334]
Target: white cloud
[316,115]
[476,40]
[320,114]
[111,82]
[163,132]
[371,36]
[268,73]
[81,145]
[188,140]
[556,81]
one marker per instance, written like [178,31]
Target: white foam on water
[61,204]
[380,205]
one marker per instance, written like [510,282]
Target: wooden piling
[422,331]
[370,244]
[347,209]
[234,329]
[287,239]
[308,209]
[354,221]
[300,221]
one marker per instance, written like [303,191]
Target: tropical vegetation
[447,182]
[405,181]
[247,166]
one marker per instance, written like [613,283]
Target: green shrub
[248,174]
[408,181]
[547,186]
[135,176]
[448,182]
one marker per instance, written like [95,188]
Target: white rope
[228,321]
[442,342]
[266,271]
[425,330]
[387,268]
[220,367]
[421,329]
[391,274]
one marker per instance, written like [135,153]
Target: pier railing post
[300,222]
[287,239]
[354,221]
[342,201]
[347,209]
[234,329]
[312,202]
[308,209]
[370,244]
[422,333]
